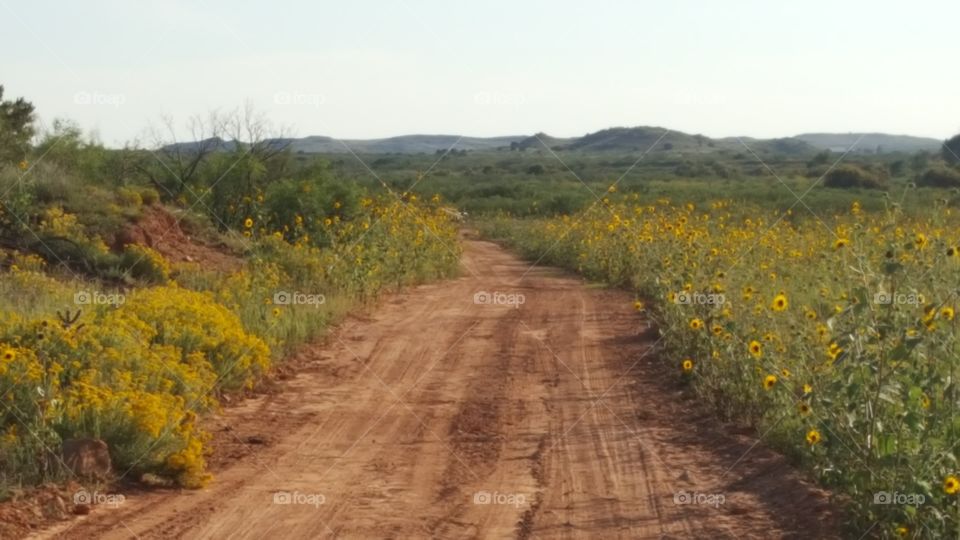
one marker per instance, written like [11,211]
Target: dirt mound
[159,229]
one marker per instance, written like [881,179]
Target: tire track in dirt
[439,418]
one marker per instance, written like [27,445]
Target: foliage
[16,130]
[836,337]
[847,176]
[942,177]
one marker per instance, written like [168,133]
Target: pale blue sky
[362,69]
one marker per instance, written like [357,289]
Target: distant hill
[404,144]
[542,140]
[870,142]
[617,139]
[658,139]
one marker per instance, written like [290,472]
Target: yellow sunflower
[920,240]
[951,485]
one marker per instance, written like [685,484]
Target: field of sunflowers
[835,335]
[136,364]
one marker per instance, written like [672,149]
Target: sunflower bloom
[951,485]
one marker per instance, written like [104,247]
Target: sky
[364,69]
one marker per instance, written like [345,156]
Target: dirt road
[438,417]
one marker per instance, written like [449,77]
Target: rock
[81,509]
[87,458]
[54,507]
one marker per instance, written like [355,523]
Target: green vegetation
[199,246]
[140,285]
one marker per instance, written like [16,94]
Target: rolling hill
[872,142]
[616,139]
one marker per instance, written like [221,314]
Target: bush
[144,263]
[942,177]
[149,195]
[852,176]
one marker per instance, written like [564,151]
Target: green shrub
[852,176]
[943,177]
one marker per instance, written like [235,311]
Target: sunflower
[834,350]
[276,312]
[696,324]
[951,485]
[756,349]
[780,302]
[687,365]
[841,243]
[9,355]
[804,408]
[638,305]
[925,401]
[785,373]
[947,313]
[811,315]
[953,252]
[920,240]
[248,223]
[769,382]
[807,389]
[902,531]
[716,330]
[813,437]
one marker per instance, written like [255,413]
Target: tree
[951,150]
[16,128]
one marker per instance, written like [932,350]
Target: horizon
[502,136]
[371,71]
